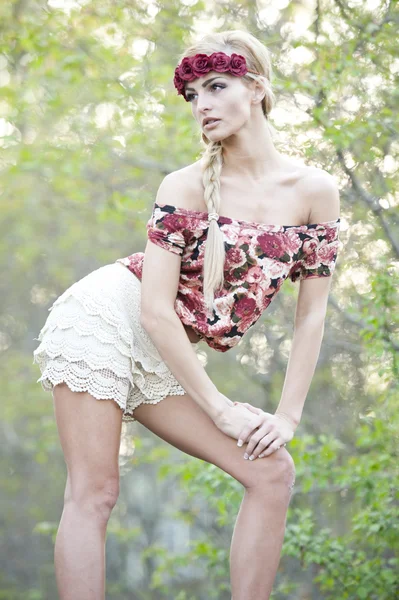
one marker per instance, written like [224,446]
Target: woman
[224,233]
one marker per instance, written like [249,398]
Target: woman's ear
[258,92]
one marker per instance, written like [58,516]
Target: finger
[263,443]
[276,445]
[249,429]
[256,439]
[262,454]
[254,409]
[269,435]
[249,407]
[264,418]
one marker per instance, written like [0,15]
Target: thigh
[89,431]
[180,421]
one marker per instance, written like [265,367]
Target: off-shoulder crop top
[259,257]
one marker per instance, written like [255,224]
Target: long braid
[214,256]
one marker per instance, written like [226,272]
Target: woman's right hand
[235,417]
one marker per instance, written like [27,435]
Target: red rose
[309,246]
[272,244]
[326,253]
[185,70]
[235,257]
[331,233]
[200,65]
[294,242]
[238,65]
[191,303]
[220,329]
[178,81]
[173,222]
[255,275]
[311,260]
[219,62]
[202,321]
[196,66]
[245,308]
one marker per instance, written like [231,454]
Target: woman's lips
[211,124]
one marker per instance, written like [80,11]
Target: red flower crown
[192,67]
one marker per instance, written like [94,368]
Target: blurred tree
[89,124]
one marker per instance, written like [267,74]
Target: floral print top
[259,257]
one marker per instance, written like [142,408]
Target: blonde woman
[119,344]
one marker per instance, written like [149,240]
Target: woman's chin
[214,136]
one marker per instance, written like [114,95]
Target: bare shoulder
[319,191]
[183,188]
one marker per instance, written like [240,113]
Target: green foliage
[363,561]
[360,482]
[90,123]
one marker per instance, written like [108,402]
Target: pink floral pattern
[259,257]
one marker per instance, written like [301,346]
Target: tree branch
[361,324]
[371,201]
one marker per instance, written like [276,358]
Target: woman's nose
[203,105]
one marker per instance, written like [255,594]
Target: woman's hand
[273,432]
[253,409]
[236,418]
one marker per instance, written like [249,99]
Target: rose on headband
[192,67]
[220,62]
[238,65]
[201,64]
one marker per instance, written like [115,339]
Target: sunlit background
[90,123]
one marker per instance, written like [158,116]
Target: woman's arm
[273,430]
[320,192]
[168,334]
[305,350]
[159,286]
[322,196]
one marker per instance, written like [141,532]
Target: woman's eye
[191,96]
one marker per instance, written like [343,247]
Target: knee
[287,476]
[286,462]
[94,496]
[276,470]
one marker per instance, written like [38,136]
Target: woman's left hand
[274,432]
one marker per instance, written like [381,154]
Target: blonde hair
[258,59]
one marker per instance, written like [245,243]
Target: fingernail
[239,443]
[246,456]
[261,455]
[251,457]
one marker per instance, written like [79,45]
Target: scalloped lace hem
[103,384]
[94,342]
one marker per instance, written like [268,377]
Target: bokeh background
[90,123]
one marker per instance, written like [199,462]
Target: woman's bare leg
[260,526]
[89,431]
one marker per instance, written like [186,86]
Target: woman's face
[219,96]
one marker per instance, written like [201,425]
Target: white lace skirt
[94,342]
